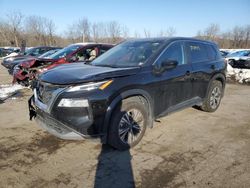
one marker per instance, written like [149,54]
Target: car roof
[171,39]
[90,43]
[52,47]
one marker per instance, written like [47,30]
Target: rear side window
[197,52]
[212,53]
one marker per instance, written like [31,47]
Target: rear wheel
[212,101]
[128,123]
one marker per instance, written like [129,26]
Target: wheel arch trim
[119,98]
[219,77]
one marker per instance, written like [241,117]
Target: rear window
[199,52]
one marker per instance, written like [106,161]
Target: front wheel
[128,123]
[212,101]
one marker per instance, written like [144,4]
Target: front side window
[128,54]
[173,52]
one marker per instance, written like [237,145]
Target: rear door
[202,57]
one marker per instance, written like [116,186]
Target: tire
[128,123]
[212,101]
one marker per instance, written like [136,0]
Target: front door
[175,85]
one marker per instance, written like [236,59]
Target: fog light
[73,103]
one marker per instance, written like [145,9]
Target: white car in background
[239,59]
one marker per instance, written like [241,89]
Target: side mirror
[169,64]
[165,65]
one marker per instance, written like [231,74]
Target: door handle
[188,73]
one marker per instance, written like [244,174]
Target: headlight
[73,103]
[90,86]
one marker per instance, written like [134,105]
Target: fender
[220,77]
[120,97]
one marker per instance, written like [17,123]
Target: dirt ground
[185,149]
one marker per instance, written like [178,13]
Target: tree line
[237,37]
[17,29]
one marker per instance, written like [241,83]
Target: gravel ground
[189,148]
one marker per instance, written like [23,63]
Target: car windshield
[64,52]
[128,54]
[47,54]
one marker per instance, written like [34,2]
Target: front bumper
[55,127]
[63,122]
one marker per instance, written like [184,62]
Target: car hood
[76,73]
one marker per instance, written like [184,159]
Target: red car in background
[25,72]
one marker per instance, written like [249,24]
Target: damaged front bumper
[53,126]
[63,122]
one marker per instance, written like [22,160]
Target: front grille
[45,91]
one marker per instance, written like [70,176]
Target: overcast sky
[186,16]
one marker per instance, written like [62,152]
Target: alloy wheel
[131,126]
[215,98]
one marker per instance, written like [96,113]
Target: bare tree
[14,20]
[113,29]
[136,35]
[124,32]
[50,31]
[238,36]
[5,31]
[247,37]
[147,33]
[169,32]
[40,30]
[225,40]
[84,29]
[212,31]
[95,31]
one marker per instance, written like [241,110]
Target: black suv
[122,92]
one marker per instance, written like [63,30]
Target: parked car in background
[27,71]
[4,52]
[123,91]
[7,51]
[239,59]
[243,63]
[224,53]
[11,62]
[19,68]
